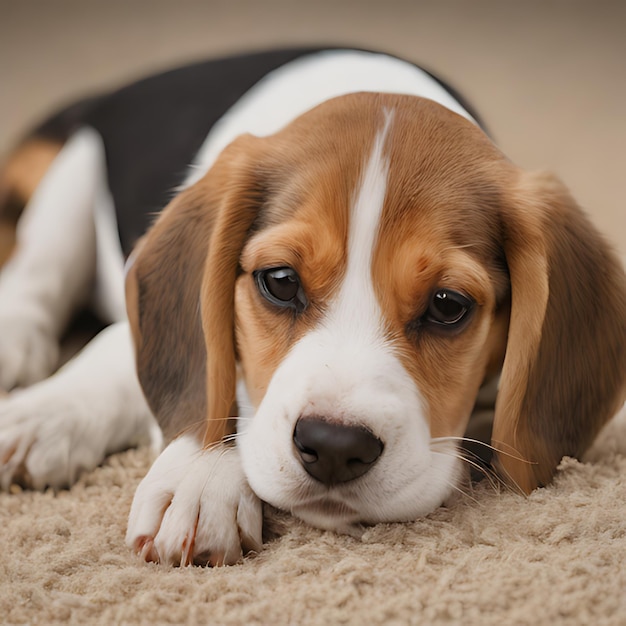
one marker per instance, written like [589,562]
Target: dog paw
[28,353]
[45,440]
[195,507]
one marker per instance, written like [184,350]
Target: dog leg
[53,265]
[92,407]
[195,507]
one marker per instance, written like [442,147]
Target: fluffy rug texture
[492,557]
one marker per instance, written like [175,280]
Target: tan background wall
[548,77]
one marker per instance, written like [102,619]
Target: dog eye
[281,286]
[448,308]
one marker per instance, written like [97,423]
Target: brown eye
[448,309]
[281,287]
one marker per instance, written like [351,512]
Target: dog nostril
[335,453]
[308,456]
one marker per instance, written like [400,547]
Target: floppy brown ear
[180,296]
[564,372]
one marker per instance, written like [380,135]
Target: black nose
[335,453]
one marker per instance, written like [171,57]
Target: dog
[345,259]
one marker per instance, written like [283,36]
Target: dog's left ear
[564,372]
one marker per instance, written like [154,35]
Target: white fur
[92,407]
[299,86]
[58,254]
[194,503]
[43,282]
[347,371]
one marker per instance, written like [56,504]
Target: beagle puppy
[347,261]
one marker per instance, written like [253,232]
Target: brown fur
[440,229]
[25,167]
[457,214]
[7,240]
[317,253]
[565,371]
[309,214]
[179,298]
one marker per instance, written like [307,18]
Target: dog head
[365,269]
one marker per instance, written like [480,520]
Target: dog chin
[334,513]
[328,514]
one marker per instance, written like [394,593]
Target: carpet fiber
[492,557]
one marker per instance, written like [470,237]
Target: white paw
[46,439]
[29,352]
[195,507]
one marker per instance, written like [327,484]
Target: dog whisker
[490,475]
[512,484]
[464,491]
[507,482]
[470,458]
[516,457]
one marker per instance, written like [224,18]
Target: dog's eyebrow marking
[365,214]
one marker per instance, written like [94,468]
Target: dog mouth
[329,514]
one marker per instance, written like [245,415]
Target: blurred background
[547,76]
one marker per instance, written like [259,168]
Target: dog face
[392,300]
[366,269]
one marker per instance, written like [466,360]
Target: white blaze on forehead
[356,297]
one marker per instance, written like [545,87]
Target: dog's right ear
[180,295]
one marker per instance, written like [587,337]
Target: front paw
[29,352]
[195,507]
[45,439]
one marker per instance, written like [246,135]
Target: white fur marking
[365,217]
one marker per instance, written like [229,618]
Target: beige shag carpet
[557,557]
